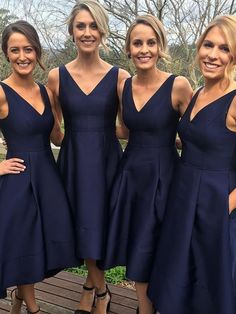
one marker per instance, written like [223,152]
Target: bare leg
[144,304]
[98,279]
[87,297]
[27,292]
[17,301]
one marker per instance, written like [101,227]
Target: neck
[88,61]
[147,77]
[25,82]
[219,86]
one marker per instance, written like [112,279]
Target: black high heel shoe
[83,311]
[102,296]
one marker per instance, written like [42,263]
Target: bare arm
[53,85]
[181,94]
[12,165]
[53,92]
[121,130]
[231,124]
[56,134]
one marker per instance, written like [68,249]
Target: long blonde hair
[227,24]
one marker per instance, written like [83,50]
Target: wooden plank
[67,276]
[60,295]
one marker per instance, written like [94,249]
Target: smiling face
[85,32]
[144,47]
[21,54]
[214,55]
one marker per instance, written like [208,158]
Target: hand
[12,165]
[178,143]
[4,143]
[232,201]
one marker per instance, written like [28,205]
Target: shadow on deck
[59,295]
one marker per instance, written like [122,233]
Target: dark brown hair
[28,31]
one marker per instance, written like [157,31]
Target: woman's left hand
[232,201]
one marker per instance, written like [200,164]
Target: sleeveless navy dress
[89,157]
[36,232]
[140,190]
[194,268]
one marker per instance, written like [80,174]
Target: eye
[225,49]
[152,42]
[137,43]
[207,44]
[80,26]
[94,25]
[29,49]
[14,50]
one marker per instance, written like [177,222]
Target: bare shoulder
[50,94]
[53,74]
[2,96]
[123,75]
[181,84]
[53,80]
[181,94]
[232,108]
[121,85]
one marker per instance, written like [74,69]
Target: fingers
[12,166]
[15,160]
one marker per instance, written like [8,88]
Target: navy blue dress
[36,233]
[140,190]
[194,268]
[89,157]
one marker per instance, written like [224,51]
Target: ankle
[103,300]
[15,295]
[33,311]
[102,291]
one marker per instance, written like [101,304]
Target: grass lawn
[115,275]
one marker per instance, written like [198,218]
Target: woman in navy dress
[36,233]
[194,270]
[85,90]
[152,103]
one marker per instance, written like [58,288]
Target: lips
[23,65]
[87,42]
[211,66]
[144,59]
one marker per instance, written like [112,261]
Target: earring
[8,60]
[129,55]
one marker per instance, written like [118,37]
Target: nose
[87,31]
[213,53]
[22,55]
[144,48]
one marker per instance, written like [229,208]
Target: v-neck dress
[140,190]
[89,157]
[194,268]
[36,230]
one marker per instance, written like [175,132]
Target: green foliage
[115,275]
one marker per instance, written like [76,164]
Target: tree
[184,21]
[5,18]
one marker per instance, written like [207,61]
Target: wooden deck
[60,295]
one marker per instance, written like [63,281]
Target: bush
[115,275]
